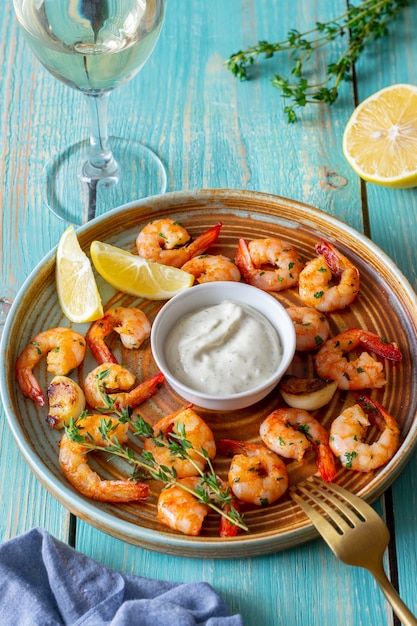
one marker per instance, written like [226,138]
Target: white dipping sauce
[223,349]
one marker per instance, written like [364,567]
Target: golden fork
[354,532]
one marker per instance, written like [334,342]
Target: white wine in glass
[95,46]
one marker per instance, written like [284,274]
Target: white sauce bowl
[210,294]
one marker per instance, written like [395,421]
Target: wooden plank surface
[392,221]
[212,131]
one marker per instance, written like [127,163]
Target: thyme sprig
[359,26]
[210,491]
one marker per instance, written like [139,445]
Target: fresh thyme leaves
[210,491]
[359,26]
[110,404]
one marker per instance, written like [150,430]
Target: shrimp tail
[334,259]
[141,392]
[29,385]
[204,241]
[330,254]
[371,341]
[230,447]
[226,527]
[377,414]
[100,351]
[325,462]
[74,465]
[368,404]
[243,259]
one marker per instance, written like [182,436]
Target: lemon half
[380,139]
[76,287]
[137,276]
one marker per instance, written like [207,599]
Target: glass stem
[101,163]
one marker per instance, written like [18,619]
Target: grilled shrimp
[118,384]
[181,510]
[131,324]
[195,431]
[311,327]
[64,350]
[291,432]
[208,268]
[316,286]
[268,264]
[348,432]
[364,371]
[256,475]
[168,242]
[73,460]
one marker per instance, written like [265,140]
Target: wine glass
[95,46]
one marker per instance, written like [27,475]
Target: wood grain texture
[212,131]
[393,226]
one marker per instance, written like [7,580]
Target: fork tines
[342,509]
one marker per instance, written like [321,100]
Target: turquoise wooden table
[211,130]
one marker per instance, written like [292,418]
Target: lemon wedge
[76,287]
[380,139]
[137,276]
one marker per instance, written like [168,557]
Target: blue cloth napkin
[44,582]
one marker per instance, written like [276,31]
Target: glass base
[71,198]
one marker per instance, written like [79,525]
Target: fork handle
[400,608]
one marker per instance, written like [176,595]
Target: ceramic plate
[386,305]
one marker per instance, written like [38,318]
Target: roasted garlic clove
[66,401]
[307,393]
